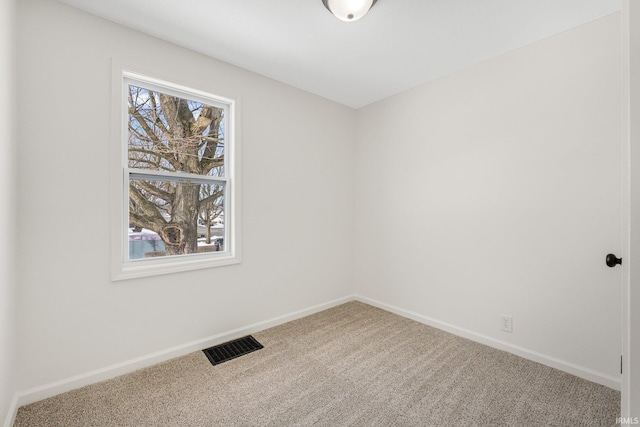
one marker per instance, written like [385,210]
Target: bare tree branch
[179,135]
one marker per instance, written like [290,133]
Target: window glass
[176,171]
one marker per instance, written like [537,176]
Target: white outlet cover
[506,323]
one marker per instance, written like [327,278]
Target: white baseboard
[571,368]
[48,390]
[13,411]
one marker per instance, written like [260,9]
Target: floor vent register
[232,349]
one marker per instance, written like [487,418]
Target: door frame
[630,387]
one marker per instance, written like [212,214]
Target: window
[177,150]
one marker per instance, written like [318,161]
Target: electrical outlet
[506,323]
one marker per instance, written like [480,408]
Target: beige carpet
[353,365]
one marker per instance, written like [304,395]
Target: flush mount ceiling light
[349,10]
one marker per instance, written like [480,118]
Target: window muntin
[176,165]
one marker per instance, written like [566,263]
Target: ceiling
[398,45]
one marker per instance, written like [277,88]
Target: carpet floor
[352,365]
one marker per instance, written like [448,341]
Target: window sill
[156,267]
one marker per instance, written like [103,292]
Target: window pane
[175,218]
[174,134]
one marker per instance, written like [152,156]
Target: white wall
[498,190]
[297,155]
[494,190]
[7,205]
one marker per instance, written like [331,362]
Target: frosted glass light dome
[349,10]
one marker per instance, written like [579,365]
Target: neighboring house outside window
[178,171]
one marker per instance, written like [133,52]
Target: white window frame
[121,267]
